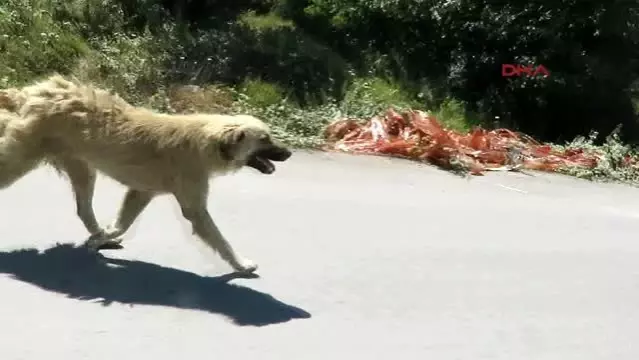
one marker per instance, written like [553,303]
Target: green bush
[454,115]
[33,43]
[266,47]
[261,94]
[610,166]
[374,94]
[134,65]
[267,22]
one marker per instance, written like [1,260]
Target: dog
[80,129]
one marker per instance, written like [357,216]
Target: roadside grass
[612,165]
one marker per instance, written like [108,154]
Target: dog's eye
[265,138]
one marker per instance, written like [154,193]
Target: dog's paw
[245,266]
[112,244]
[112,234]
[102,241]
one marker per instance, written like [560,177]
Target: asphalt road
[360,258]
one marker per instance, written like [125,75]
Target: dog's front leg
[82,179]
[194,209]
[134,203]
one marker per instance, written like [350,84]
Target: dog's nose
[279,152]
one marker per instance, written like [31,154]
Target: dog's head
[249,143]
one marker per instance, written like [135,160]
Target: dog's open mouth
[262,160]
[263,165]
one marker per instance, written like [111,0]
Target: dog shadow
[82,275]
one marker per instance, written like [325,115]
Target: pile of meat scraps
[418,135]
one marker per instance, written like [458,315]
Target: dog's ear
[230,141]
[238,136]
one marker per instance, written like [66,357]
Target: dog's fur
[78,129]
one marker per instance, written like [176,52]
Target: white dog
[79,129]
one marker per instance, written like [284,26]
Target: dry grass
[186,99]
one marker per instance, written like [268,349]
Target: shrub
[33,44]
[368,96]
[454,115]
[259,93]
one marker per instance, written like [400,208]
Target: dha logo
[509,70]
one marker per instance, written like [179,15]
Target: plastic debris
[420,136]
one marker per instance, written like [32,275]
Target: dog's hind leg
[193,205]
[134,203]
[16,160]
[12,170]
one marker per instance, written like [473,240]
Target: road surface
[360,258]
